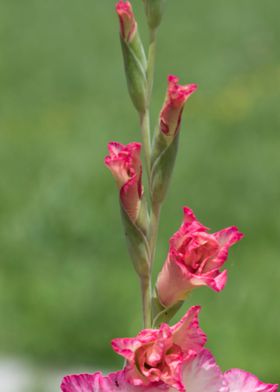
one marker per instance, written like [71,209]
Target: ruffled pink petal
[214,279]
[241,381]
[162,344]
[87,383]
[115,147]
[226,238]
[126,347]
[114,382]
[229,236]
[189,226]
[218,283]
[202,374]
[171,113]
[190,219]
[124,157]
[187,334]
[120,383]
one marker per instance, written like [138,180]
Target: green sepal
[137,243]
[160,314]
[163,159]
[154,11]
[135,69]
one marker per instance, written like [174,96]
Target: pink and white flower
[125,165]
[240,381]
[200,373]
[128,24]
[156,356]
[171,113]
[194,259]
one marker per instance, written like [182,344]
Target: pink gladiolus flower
[125,165]
[171,113]
[241,381]
[194,259]
[156,356]
[128,24]
[200,373]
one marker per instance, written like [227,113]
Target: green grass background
[66,283]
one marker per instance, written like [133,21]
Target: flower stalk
[162,358]
[146,290]
[146,283]
[151,63]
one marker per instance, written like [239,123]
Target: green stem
[146,285]
[145,117]
[151,64]
[146,290]
[155,211]
[154,224]
[145,129]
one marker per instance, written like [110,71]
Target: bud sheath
[133,54]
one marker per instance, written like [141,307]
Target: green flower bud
[154,12]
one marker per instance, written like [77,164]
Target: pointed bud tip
[123,6]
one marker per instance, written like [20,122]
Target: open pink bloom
[199,373]
[125,165]
[128,24]
[171,113]
[241,381]
[156,356]
[194,259]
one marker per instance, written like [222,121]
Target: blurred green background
[66,283]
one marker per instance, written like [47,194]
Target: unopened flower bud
[154,12]
[166,139]
[128,24]
[171,113]
[125,165]
[135,62]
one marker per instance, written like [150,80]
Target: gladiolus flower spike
[162,358]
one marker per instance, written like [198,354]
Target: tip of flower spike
[123,6]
